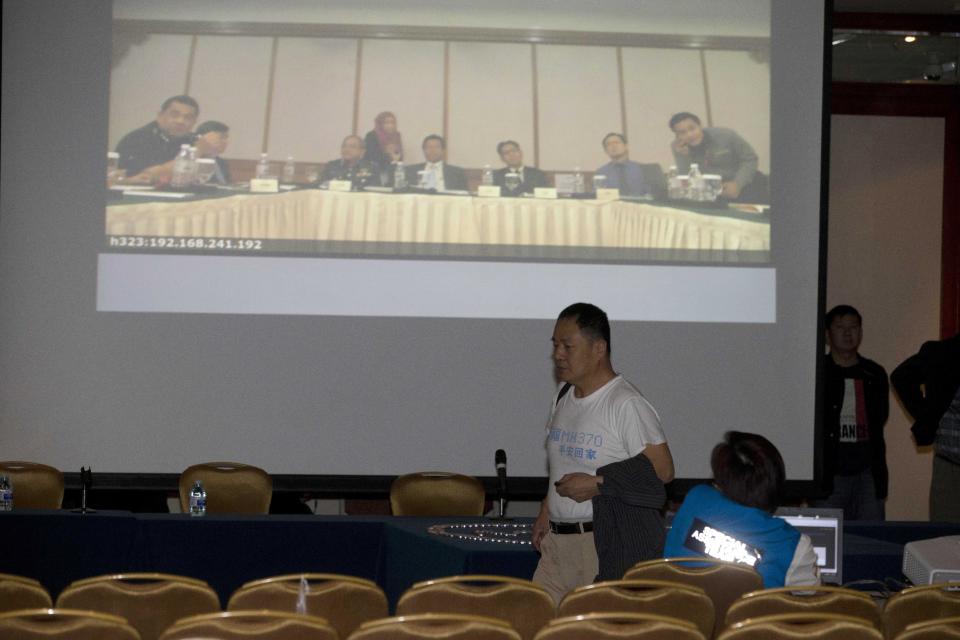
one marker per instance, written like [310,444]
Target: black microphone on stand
[86,481]
[500,460]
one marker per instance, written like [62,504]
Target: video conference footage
[682,179]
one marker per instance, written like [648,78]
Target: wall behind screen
[327,395]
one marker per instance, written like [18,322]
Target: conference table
[434,219]
[58,547]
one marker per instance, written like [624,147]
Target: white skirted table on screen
[409,218]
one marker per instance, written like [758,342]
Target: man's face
[844,334]
[615,147]
[511,156]
[351,150]
[575,357]
[213,143]
[688,132]
[177,119]
[433,150]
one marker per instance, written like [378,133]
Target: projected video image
[593,132]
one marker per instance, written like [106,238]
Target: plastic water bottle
[487,178]
[289,170]
[263,167]
[192,168]
[198,500]
[399,175]
[674,190]
[181,168]
[6,494]
[579,186]
[696,182]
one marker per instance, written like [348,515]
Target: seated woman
[733,518]
[384,145]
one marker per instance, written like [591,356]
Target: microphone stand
[86,481]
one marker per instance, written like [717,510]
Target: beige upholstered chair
[231,487]
[802,626]
[150,602]
[723,581]
[344,601]
[818,599]
[35,485]
[918,604]
[937,629]
[436,493]
[430,626]
[64,624]
[524,605]
[246,625]
[642,596]
[18,592]
[619,626]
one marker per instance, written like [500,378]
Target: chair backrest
[450,626]
[619,626]
[937,629]
[524,605]
[35,485]
[642,596]
[150,602]
[802,626]
[723,581]
[813,599]
[344,601]
[68,624]
[436,493]
[918,604]
[244,625]
[231,487]
[18,592]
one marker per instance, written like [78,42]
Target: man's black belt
[562,528]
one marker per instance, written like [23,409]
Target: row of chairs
[152,602]
[233,487]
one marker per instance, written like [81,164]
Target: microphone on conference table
[86,481]
[500,460]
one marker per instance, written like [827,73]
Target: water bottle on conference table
[263,167]
[194,168]
[674,190]
[579,186]
[696,182]
[399,175]
[6,494]
[289,170]
[181,168]
[198,500]
[487,178]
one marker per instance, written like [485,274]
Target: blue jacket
[710,524]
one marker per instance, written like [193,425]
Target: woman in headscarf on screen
[384,145]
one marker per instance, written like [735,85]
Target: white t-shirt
[613,423]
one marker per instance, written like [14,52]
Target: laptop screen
[824,527]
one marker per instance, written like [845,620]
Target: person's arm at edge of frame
[541,525]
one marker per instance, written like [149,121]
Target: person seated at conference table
[351,165]
[631,178]
[529,177]
[147,153]
[718,151]
[732,519]
[384,146]
[437,174]
[212,140]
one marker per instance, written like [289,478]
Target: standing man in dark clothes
[857,403]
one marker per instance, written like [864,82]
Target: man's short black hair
[433,136]
[212,125]
[613,134]
[505,143]
[680,117]
[363,143]
[591,320]
[187,100]
[748,469]
[839,311]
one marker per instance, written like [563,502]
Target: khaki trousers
[567,561]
